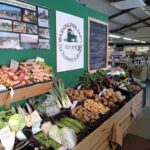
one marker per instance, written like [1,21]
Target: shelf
[25,92]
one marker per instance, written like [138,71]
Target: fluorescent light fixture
[114,36]
[136,40]
[127,39]
[143,42]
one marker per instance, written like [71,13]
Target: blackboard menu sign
[97,44]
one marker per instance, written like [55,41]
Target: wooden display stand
[100,138]
[25,92]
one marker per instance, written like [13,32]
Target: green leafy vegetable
[46,141]
[17,122]
[76,125]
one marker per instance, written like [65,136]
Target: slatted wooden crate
[25,92]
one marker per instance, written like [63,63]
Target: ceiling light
[143,42]
[114,36]
[127,39]
[136,40]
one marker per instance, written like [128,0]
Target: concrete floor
[141,126]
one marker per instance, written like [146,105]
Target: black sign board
[97,44]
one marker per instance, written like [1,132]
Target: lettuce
[16,122]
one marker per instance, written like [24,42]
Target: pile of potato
[79,95]
[94,107]
[109,98]
[37,71]
[84,115]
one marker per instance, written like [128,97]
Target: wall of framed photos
[23,26]
[67,6]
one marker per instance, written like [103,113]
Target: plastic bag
[69,138]
[45,104]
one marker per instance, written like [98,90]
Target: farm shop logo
[70,42]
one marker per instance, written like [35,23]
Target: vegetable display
[76,125]
[79,95]
[95,81]
[82,114]
[27,73]
[45,104]
[5,115]
[109,98]
[59,94]
[94,107]
[16,122]
[46,141]
[37,71]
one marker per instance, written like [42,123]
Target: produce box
[80,135]
[24,92]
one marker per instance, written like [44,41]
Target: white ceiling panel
[139,13]
[101,5]
[139,25]
[125,19]
[113,26]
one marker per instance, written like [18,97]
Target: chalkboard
[97,44]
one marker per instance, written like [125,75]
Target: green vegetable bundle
[76,125]
[46,141]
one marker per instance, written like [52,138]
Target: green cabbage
[16,122]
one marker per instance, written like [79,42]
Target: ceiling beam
[120,24]
[137,18]
[120,13]
[130,25]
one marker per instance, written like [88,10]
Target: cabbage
[69,138]
[16,122]
[54,133]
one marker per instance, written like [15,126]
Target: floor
[141,126]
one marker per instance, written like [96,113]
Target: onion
[10,73]
[14,78]
[16,82]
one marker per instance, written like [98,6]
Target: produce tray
[25,92]
[82,134]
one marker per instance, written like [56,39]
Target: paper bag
[116,136]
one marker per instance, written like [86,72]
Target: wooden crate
[99,139]
[25,92]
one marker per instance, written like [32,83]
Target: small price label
[74,104]
[14,64]
[40,59]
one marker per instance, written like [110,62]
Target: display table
[100,138]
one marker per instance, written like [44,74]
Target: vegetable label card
[70,42]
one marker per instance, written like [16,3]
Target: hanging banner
[70,42]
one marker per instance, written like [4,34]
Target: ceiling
[132,23]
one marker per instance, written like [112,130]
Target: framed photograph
[10,12]
[44,44]
[43,18]
[29,16]
[5,25]
[29,41]
[32,29]
[44,33]
[9,40]
[19,27]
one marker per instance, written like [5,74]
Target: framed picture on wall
[43,17]
[26,23]
[97,44]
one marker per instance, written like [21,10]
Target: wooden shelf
[25,92]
